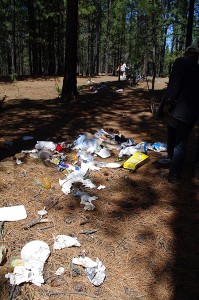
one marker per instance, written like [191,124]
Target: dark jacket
[183,89]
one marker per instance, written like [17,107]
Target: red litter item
[59,148]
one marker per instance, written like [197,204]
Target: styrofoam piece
[13,213]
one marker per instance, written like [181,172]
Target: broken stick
[35,222]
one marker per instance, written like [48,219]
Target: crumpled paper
[61,241]
[33,256]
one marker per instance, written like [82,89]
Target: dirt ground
[143,229]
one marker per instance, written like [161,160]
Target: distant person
[182,101]
[123,69]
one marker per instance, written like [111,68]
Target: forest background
[33,35]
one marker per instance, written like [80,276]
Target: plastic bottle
[46,182]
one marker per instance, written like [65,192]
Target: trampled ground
[143,229]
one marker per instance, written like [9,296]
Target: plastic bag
[85,143]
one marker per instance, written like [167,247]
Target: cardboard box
[135,161]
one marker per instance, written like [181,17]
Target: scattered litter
[112,165]
[158,147]
[84,142]
[96,275]
[76,176]
[19,162]
[16,262]
[84,156]
[45,154]
[141,147]
[33,256]
[95,270]
[84,261]
[60,271]
[85,199]
[135,161]
[42,212]
[30,151]
[13,213]
[27,138]
[103,153]
[46,182]
[62,241]
[127,151]
[100,187]
[45,145]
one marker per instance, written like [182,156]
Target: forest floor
[143,229]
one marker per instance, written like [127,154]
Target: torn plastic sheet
[84,156]
[62,241]
[45,145]
[96,275]
[87,201]
[103,153]
[13,213]
[95,270]
[76,176]
[127,151]
[33,255]
[85,143]
[158,147]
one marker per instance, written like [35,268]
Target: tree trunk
[69,88]
[190,23]
[107,37]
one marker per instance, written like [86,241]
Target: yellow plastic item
[46,182]
[135,161]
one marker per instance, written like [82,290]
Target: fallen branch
[35,222]
[69,293]
[88,231]
[47,227]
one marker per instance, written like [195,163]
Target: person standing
[182,101]
[123,69]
